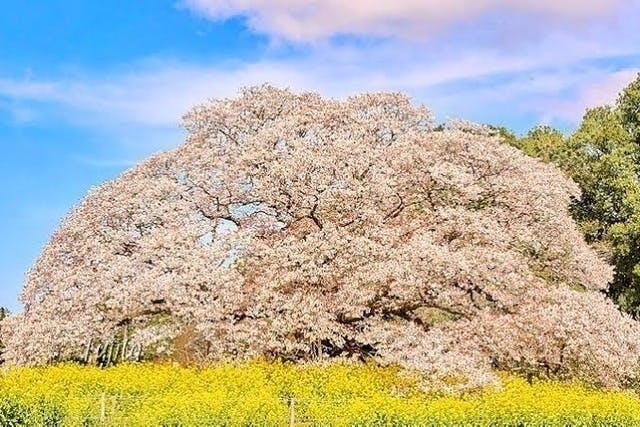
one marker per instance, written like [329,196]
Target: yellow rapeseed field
[260,394]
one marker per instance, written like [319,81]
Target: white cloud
[586,91]
[142,105]
[306,20]
[152,95]
[26,88]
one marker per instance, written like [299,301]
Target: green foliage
[603,157]
[506,134]
[542,142]
[629,107]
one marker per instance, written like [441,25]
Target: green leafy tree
[603,157]
[542,142]
[629,107]
[506,134]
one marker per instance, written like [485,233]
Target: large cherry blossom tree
[295,227]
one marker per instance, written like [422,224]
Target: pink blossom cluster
[296,227]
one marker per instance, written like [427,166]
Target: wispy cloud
[552,75]
[306,20]
[593,90]
[150,94]
[144,104]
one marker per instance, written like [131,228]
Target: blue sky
[87,88]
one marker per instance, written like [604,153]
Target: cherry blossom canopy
[296,227]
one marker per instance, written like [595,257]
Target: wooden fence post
[103,408]
[114,403]
[292,412]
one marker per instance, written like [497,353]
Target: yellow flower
[265,394]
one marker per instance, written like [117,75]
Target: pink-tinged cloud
[306,20]
[601,90]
